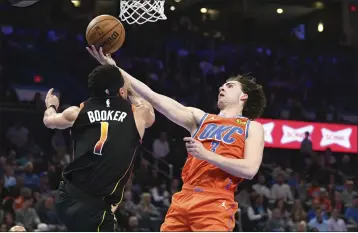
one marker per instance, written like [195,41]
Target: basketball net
[142,11]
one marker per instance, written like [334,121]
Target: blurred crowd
[294,190]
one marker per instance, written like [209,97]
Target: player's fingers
[94,51]
[90,51]
[101,52]
[189,139]
[49,92]
[190,145]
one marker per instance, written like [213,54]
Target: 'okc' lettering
[221,133]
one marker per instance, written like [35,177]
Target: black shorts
[82,212]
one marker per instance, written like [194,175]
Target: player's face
[230,94]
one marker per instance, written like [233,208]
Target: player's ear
[244,97]
[123,93]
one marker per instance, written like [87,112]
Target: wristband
[52,106]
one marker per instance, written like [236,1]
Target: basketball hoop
[142,11]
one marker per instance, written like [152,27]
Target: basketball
[107,32]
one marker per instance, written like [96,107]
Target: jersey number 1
[104,134]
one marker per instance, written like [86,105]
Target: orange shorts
[201,209]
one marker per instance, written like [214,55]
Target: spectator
[145,207]
[335,223]
[312,212]
[31,179]
[127,206]
[298,211]
[46,211]
[348,192]
[27,215]
[276,222]
[302,190]
[161,146]
[243,198]
[257,213]
[280,190]
[281,206]
[324,201]
[306,145]
[160,195]
[351,213]
[9,220]
[9,178]
[337,202]
[261,187]
[17,135]
[298,222]
[318,223]
[133,225]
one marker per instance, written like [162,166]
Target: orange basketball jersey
[223,136]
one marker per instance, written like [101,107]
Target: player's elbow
[47,122]
[251,172]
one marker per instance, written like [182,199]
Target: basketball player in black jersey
[106,131]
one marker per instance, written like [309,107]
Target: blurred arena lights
[203,10]
[76,3]
[279,10]
[320,27]
[177,0]
[172,8]
[319,5]
[353,8]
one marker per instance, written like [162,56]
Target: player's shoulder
[255,127]
[198,114]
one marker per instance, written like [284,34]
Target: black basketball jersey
[105,141]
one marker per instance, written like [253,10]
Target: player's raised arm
[186,117]
[54,120]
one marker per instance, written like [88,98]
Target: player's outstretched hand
[196,148]
[100,57]
[51,99]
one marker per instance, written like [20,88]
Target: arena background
[303,52]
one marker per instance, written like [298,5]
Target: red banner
[289,134]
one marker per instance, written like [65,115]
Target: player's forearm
[49,114]
[54,120]
[139,87]
[236,167]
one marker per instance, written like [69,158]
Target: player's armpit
[249,166]
[54,120]
[186,117]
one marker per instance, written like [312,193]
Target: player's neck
[231,112]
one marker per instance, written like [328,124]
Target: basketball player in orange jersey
[223,150]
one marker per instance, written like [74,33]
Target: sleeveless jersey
[223,136]
[105,140]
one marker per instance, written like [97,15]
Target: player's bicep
[186,117]
[254,144]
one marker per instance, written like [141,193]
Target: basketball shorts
[201,209]
[82,212]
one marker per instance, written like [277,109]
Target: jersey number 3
[104,134]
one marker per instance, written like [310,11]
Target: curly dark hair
[256,101]
[105,77]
